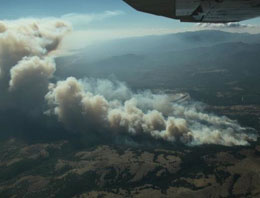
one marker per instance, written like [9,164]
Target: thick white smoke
[31,70]
[26,63]
[87,104]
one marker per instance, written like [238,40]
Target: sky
[56,8]
[96,20]
[35,8]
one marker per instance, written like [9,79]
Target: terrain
[57,170]
[217,68]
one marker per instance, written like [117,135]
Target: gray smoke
[83,105]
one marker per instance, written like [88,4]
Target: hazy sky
[12,9]
[96,19]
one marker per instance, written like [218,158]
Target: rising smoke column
[26,63]
[83,105]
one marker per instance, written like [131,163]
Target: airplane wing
[209,11]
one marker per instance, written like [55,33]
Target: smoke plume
[84,105]
[27,65]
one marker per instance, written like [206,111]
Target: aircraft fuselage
[210,11]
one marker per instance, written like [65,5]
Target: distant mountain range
[170,42]
[212,62]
